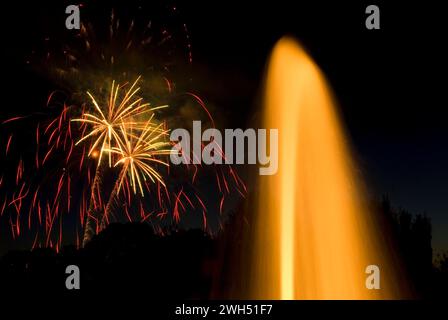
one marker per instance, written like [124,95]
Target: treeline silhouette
[131,259]
[427,275]
[125,259]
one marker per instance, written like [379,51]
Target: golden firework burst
[106,118]
[138,153]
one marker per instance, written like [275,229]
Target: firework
[138,152]
[139,156]
[111,126]
[59,188]
[106,119]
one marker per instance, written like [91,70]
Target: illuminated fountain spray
[314,235]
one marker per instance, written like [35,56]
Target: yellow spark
[138,153]
[106,118]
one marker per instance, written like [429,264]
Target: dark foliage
[124,259]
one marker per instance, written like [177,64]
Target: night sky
[389,83]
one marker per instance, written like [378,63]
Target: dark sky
[389,82]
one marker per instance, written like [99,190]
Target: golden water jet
[314,233]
